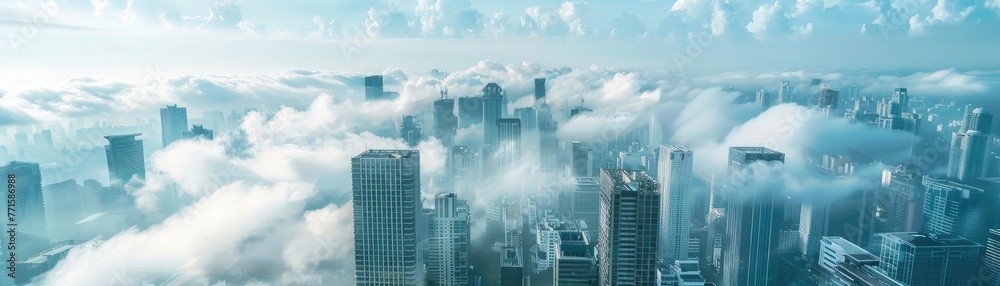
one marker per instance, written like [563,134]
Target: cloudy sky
[123,38]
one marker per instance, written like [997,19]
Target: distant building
[574,264]
[509,144]
[539,90]
[763,100]
[627,244]
[967,160]
[386,246]
[125,160]
[374,88]
[445,121]
[834,250]
[548,141]
[173,123]
[829,98]
[785,92]
[492,111]
[409,130]
[921,259]
[197,131]
[812,226]
[585,203]
[680,273]
[581,163]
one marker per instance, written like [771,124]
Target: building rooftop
[586,181]
[927,240]
[122,136]
[849,248]
[511,257]
[387,154]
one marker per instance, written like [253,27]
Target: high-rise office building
[834,250]
[627,243]
[828,98]
[449,253]
[954,208]
[470,111]
[785,92]
[581,163]
[509,144]
[539,91]
[24,181]
[386,199]
[676,165]
[529,119]
[463,167]
[991,261]
[43,140]
[574,264]
[812,227]
[511,267]
[214,120]
[900,96]
[513,224]
[125,160]
[492,111]
[763,100]
[585,203]
[904,199]
[199,131]
[922,259]
[752,221]
[373,88]
[409,130]
[445,121]
[548,141]
[173,123]
[967,158]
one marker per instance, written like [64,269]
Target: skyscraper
[449,253]
[386,199]
[509,148]
[585,203]
[574,265]
[991,261]
[198,131]
[630,212]
[763,100]
[470,111]
[954,208]
[539,91]
[675,166]
[812,227]
[904,201]
[900,96]
[445,121]
[548,142]
[922,259]
[529,118]
[409,130]
[125,159]
[752,219]
[373,88]
[511,267]
[967,158]
[828,98]
[492,111]
[25,182]
[173,123]
[785,93]
[580,163]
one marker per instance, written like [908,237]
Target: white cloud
[768,21]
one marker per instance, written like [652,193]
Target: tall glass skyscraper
[373,88]
[954,208]
[967,159]
[173,123]
[752,220]
[445,121]
[492,111]
[449,255]
[125,159]
[675,166]
[386,189]
[509,148]
[630,213]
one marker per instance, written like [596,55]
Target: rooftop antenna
[444,89]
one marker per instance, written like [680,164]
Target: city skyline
[484,143]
